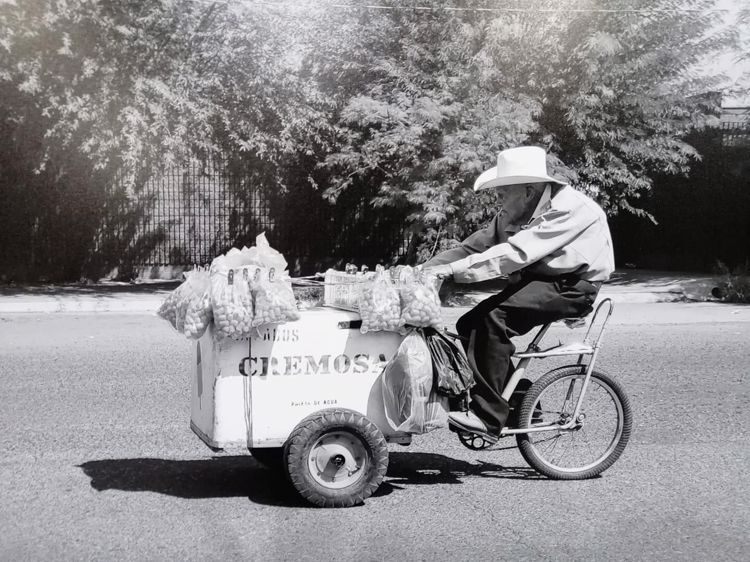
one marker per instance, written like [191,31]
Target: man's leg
[491,325]
[489,349]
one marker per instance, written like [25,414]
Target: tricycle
[305,397]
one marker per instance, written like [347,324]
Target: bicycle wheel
[593,443]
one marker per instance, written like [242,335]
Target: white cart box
[253,393]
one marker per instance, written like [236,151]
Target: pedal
[473,441]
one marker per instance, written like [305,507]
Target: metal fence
[735,133]
[191,214]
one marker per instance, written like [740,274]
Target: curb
[49,305]
[148,304]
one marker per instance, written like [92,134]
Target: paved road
[99,463]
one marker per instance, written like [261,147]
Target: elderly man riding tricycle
[315,396]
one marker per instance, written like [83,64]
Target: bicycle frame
[582,350]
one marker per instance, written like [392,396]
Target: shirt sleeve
[447,256]
[479,241]
[545,235]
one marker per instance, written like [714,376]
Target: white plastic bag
[231,303]
[411,404]
[420,301]
[273,297]
[379,303]
[235,259]
[268,257]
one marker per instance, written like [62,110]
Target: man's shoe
[470,422]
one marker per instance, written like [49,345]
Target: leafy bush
[734,284]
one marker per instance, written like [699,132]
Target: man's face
[515,200]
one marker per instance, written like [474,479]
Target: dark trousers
[489,327]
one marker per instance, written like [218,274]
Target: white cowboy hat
[526,164]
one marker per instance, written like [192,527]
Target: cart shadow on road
[218,477]
[242,476]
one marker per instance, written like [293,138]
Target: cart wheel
[270,457]
[336,458]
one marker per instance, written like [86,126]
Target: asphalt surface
[99,462]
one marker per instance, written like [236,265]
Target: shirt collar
[544,202]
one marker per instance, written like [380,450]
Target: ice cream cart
[307,390]
[307,396]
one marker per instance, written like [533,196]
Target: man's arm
[546,234]
[481,240]
[448,256]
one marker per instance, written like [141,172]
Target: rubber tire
[269,457]
[307,433]
[529,453]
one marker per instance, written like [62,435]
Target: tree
[610,94]
[403,106]
[89,90]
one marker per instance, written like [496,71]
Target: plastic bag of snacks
[420,302]
[273,297]
[198,314]
[175,305]
[379,303]
[232,303]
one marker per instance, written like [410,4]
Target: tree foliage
[610,95]
[401,106]
[95,91]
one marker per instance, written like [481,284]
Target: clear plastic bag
[379,303]
[420,302]
[273,297]
[411,404]
[231,303]
[198,317]
[198,314]
[175,306]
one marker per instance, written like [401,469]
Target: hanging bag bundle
[420,302]
[451,371]
[175,305]
[198,313]
[273,297]
[232,304]
[379,303]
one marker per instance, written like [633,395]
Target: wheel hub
[336,460]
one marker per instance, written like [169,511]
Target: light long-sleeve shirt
[567,234]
